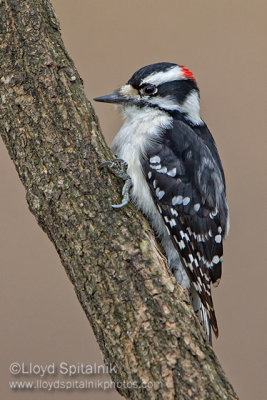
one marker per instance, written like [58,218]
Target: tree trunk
[142,319]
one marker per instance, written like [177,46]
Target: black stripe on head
[142,73]
[178,89]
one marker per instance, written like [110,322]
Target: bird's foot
[119,168]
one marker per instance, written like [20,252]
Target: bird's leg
[119,168]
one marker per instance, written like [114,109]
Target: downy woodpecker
[172,166]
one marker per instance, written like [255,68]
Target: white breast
[139,129]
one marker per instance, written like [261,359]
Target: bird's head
[165,86]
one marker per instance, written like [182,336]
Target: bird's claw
[119,168]
[105,164]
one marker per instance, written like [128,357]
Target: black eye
[148,90]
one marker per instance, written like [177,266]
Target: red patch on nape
[186,73]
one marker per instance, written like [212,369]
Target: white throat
[140,127]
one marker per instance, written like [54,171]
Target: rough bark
[142,319]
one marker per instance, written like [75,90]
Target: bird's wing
[187,185]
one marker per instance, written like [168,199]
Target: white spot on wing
[213,213]
[186,237]
[172,172]
[218,238]
[172,222]
[177,200]
[149,175]
[181,244]
[191,258]
[174,212]
[196,207]
[186,201]
[155,160]
[216,259]
[159,193]
[162,170]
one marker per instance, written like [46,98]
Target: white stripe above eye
[157,78]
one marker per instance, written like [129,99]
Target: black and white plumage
[176,175]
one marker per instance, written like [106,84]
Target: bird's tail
[201,313]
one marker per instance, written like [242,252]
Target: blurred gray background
[224,44]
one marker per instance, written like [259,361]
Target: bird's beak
[115,97]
